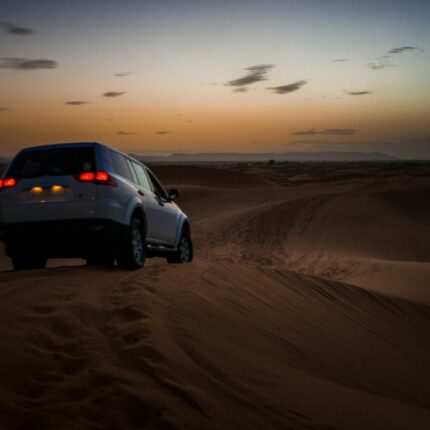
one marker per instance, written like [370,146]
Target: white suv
[85,200]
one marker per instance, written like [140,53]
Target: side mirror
[173,194]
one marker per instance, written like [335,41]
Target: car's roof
[62,145]
[75,145]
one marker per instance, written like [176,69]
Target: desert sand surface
[307,307]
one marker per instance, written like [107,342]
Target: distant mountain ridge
[264,157]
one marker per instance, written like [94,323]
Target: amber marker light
[36,190]
[57,189]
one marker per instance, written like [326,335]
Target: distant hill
[263,157]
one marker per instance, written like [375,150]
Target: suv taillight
[87,177]
[100,177]
[7,183]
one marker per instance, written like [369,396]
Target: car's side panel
[134,204]
[182,219]
[169,213]
[157,216]
[112,202]
[156,222]
[167,216]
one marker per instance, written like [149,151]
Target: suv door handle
[141,192]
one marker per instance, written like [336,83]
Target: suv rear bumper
[65,239]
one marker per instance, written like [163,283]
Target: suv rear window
[52,162]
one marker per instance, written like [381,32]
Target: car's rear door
[160,224]
[148,199]
[168,211]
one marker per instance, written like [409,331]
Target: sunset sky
[166,76]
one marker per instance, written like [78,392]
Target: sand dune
[264,330]
[208,177]
[205,346]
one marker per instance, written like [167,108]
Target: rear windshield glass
[52,162]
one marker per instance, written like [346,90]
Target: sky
[164,76]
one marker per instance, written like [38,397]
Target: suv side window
[132,172]
[159,189]
[141,176]
[120,165]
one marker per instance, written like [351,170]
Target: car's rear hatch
[44,185]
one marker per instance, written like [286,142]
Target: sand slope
[204,346]
[243,337]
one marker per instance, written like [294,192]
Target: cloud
[338,131]
[162,132]
[402,49]
[3,109]
[16,30]
[380,65]
[339,60]
[256,74]
[76,102]
[383,62]
[26,64]
[260,68]
[121,74]
[310,132]
[327,132]
[125,133]
[284,89]
[358,93]
[312,142]
[113,93]
[241,90]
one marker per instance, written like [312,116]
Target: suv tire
[184,253]
[27,262]
[134,254]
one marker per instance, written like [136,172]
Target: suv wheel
[27,262]
[184,253]
[135,251]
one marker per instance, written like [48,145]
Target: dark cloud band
[10,28]
[285,89]
[113,93]
[125,133]
[380,65]
[241,90]
[76,102]
[26,64]
[256,74]
[402,49]
[327,132]
[359,93]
